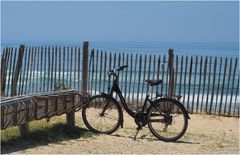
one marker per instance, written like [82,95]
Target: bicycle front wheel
[167,119]
[102,114]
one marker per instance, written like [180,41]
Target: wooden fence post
[17,70]
[71,115]
[171,71]
[3,70]
[23,129]
[85,67]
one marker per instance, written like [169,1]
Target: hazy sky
[120,21]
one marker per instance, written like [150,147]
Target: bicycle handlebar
[120,68]
[113,72]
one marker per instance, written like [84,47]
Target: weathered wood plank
[59,66]
[10,70]
[189,83]
[45,69]
[9,55]
[79,64]
[119,64]
[3,71]
[93,57]
[130,80]
[149,71]
[199,84]
[67,70]
[52,69]
[167,80]
[20,80]
[48,69]
[229,79]
[41,65]
[171,71]
[122,75]
[75,68]
[194,85]
[34,69]
[85,67]
[109,67]
[114,65]
[55,67]
[64,66]
[184,82]
[134,79]
[105,70]
[204,81]
[29,111]
[126,78]
[38,57]
[163,70]
[219,77]
[71,64]
[176,75]
[236,104]
[158,70]
[213,84]
[31,70]
[209,76]
[223,84]
[144,75]
[27,68]
[233,80]
[17,70]
[100,75]
[153,72]
[180,82]
[96,73]
[139,78]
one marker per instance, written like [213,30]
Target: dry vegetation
[205,134]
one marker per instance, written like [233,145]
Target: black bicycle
[166,117]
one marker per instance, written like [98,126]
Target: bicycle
[104,115]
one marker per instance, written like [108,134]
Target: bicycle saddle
[154,82]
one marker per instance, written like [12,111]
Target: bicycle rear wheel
[102,114]
[167,120]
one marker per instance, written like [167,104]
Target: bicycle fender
[121,112]
[175,101]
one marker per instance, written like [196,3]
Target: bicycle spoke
[172,125]
[102,116]
[110,117]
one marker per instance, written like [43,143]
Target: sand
[205,134]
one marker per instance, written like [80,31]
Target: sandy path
[205,134]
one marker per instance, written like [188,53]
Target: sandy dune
[205,134]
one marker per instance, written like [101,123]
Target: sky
[120,21]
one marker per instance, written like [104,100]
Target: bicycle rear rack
[175,97]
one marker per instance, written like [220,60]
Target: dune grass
[42,132]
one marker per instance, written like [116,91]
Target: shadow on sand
[44,136]
[154,139]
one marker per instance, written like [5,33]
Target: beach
[205,134]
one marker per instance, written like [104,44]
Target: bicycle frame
[115,88]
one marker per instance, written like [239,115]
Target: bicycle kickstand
[135,137]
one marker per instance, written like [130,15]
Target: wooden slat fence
[43,69]
[208,84]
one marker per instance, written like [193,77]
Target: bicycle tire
[117,111]
[179,109]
